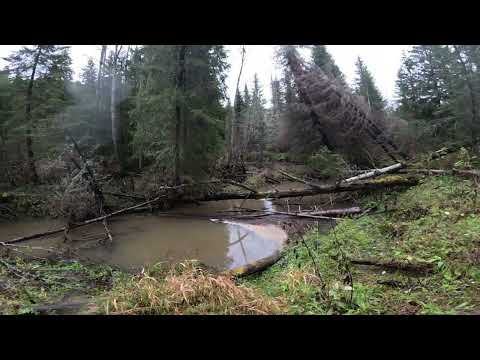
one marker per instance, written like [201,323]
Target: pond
[188,232]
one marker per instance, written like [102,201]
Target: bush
[327,164]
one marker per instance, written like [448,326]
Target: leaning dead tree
[334,110]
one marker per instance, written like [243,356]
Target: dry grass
[188,289]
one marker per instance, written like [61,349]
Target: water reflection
[249,243]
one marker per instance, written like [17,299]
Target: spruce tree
[42,72]
[322,58]
[258,116]
[200,101]
[89,75]
[365,86]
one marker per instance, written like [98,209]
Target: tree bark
[28,115]
[235,131]
[99,88]
[472,94]
[396,265]
[179,87]
[374,173]
[116,126]
[319,189]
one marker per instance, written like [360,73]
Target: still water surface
[192,232]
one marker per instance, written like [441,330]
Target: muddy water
[191,232]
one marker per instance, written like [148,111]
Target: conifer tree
[365,86]
[322,58]
[43,71]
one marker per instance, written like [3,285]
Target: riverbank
[424,242]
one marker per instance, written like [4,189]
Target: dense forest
[150,128]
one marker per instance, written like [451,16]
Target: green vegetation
[29,283]
[434,223]
[327,164]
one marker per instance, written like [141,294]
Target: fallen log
[374,173]
[87,222]
[466,173]
[318,189]
[422,268]
[299,180]
[303,215]
[75,305]
[366,175]
[337,212]
[255,266]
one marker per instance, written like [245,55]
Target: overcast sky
[382,60]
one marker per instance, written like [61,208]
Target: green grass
[435,222]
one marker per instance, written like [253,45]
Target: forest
[143,188]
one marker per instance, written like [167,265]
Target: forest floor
[434,226]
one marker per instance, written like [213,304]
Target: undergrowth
[25,284]
[434,223]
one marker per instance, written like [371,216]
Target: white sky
[382,60]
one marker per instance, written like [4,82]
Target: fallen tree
[318,189]
[414,267]
[366,175]
[87,222]
[466,173]
[375,172]
[336,212]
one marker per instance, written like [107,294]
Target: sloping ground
[434,225]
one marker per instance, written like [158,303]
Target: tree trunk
[180,80]
[472,95]
[319,189]
[99,88]
[376,172]
[28,115]
[116,126]
[235,131]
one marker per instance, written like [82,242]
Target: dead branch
[338,212]
[299,180]
[107,231]
[87,222]
[319,189]
[304,215]
[466,173]
[396,265]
